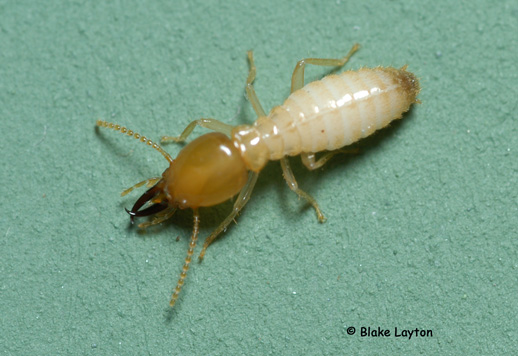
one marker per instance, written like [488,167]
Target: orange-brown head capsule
[208,171]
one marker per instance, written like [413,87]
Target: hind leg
[250,91]
[297,79]
[311,163]
[292,183]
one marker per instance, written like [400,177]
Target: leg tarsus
[211,124]
[241,201]
[292,183]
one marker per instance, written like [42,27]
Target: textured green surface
[421,229]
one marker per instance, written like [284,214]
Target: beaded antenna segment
[135,135]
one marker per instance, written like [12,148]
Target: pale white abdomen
[336,111]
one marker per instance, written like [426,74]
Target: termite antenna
[136,135]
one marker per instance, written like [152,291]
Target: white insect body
[324,115]
[329,114]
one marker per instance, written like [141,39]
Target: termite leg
[188,258]
[211,124]
[297,79]
[250,91]
[245,193]
[309,159]
[292,183]
[148,183]
[241,201]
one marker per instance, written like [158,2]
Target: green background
[421,229]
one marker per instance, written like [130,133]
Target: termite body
[324,115]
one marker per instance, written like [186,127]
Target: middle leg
[297,82]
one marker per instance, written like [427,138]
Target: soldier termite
[324,115]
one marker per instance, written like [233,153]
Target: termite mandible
[324,115]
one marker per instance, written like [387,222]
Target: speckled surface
[421,229]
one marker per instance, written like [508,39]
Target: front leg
[239,204]
[211,124]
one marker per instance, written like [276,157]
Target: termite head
[207,171]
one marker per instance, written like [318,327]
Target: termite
[324,115]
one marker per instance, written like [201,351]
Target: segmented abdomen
[338,110]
